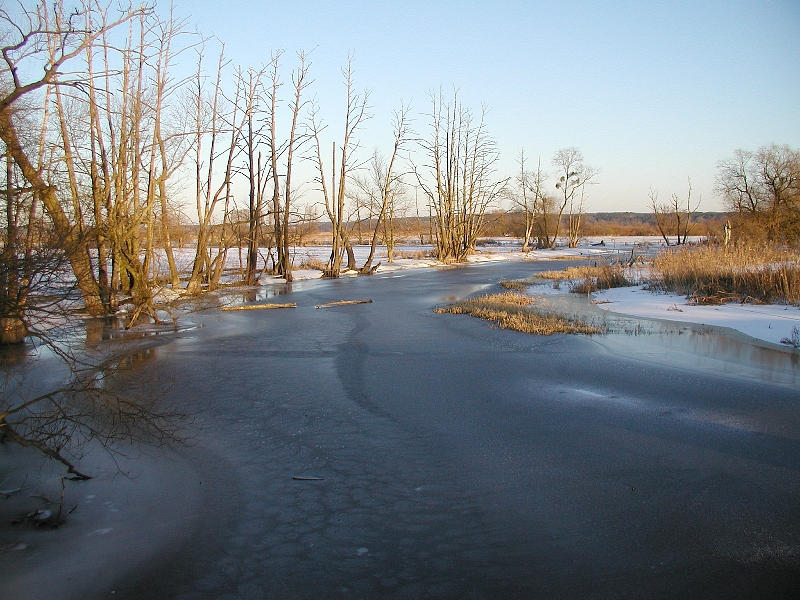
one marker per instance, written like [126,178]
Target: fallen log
[343,302]
[260,306]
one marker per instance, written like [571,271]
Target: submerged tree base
[511,310]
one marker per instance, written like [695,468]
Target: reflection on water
[11,354]
[265,292]
[713,348]
[104,329]
[97,329]
[138,358]
[686,344]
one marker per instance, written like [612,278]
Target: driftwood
[343,302]
[260,306]
[302,478]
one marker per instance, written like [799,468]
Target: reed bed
[518,285]
[590,278]
[715,275]
[511,310]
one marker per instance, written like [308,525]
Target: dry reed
[588,278]
[519,285]
[511,310]
[313,263]
[414,254]
[714,274]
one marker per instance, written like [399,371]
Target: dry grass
[416,254]
[568,273]
[519,285]
[511,310]
[714,274]
[313,263]
[589,279]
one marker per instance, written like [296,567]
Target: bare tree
[383,184]
[573,175]
[459,177]
[300,82]
[252,90]
[335,196]
[210,191]
[530,197]
[675,215]
[46,39]
[762,189]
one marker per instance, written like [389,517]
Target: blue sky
[651,92]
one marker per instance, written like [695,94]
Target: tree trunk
[74,248]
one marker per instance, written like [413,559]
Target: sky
[652,93]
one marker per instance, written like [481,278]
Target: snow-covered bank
[770,323]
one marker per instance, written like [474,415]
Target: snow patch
[767,322]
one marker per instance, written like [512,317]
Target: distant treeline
[501,224]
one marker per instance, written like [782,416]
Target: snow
[764,322]
[770,323]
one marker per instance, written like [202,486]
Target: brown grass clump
[416,254]
[511,310]
[313,263]
[714,274]
[568,273]
[519,285]
[600,277]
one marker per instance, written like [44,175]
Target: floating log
[304,478]
[343,302]
[260,306]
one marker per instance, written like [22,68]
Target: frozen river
[384,451]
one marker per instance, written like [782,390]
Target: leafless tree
[40,43]
[212,124]
[459,179]
[530,197]
[383,184]
[573,175]
[335,196]
[251,84]
[300,81]
[675,215]
[762,189]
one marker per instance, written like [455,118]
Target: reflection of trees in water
[103,398]
[739,352]
[264,293]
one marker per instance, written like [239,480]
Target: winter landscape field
[399,300]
